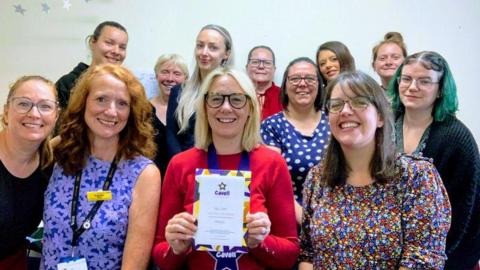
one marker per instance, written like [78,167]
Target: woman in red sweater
[227,132]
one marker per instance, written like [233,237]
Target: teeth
[106,122]
[32,125]
[349,125]
[223,120]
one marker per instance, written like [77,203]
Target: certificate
[222,201]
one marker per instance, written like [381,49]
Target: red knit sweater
[271,192]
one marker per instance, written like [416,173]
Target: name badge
[73,264]
[100,195]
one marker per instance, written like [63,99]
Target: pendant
[86,225]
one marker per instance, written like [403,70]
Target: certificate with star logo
[222,201]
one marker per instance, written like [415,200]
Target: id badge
[100,195]
[74,263]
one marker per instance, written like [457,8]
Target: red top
[271,101]
[271,192]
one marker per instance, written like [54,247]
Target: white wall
[51,44]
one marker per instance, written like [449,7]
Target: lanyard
[76,193]
[213,161]
[227,259]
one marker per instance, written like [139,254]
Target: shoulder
[189,158]
[451,128]
[413,163]
[416,170]
[276,118]
[451,135]
[275,88]
[74,74]
[265,154]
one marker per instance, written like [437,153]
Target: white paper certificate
[220,202]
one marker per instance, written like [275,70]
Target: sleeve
[173,145]
[269,133]
[171,203]
[425,216]
[462,172]
[280,248]
[306,246]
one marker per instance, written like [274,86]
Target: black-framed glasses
[258,62]
[421,83]
[23,105]
[295,80]
[359,103]
[237,100]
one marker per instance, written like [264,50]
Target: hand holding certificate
[222,200]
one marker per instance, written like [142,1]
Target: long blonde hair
[189,95]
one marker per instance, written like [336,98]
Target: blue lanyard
[226,259]
[213,161]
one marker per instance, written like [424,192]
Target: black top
[160,138]
[21,207]
[177,143]
[67,82]
[455,155]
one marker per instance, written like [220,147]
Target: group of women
[370,181]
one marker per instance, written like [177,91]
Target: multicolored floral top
[379,226]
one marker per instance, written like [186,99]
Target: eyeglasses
[237,101]
[359,103]
[421,83]
[258,62]
[23,105]
[295,80]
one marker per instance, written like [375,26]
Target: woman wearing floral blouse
[365,206]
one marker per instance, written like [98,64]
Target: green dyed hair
[447,102]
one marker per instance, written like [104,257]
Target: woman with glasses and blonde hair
[365,206]
[213,48]
[28,119]
[227,138]
[101,204]
[300,132]
[424,99]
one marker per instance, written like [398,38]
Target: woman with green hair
[424,100]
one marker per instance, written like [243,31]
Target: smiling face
[261,73]
[109,47]
[210,50]
[353,129]
[303,94]
[107,108]
[415,98]
[328,64]
[169,75]
[226,122]
[389,57]
[31,126]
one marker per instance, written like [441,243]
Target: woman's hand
[179,232]
[258,225]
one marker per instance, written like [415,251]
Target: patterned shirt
[101,245]
[301,152]
[378,226]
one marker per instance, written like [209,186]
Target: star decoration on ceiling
[45,7]
[86,1]
[19,9]
[67,4]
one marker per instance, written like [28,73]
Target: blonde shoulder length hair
[251,131]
